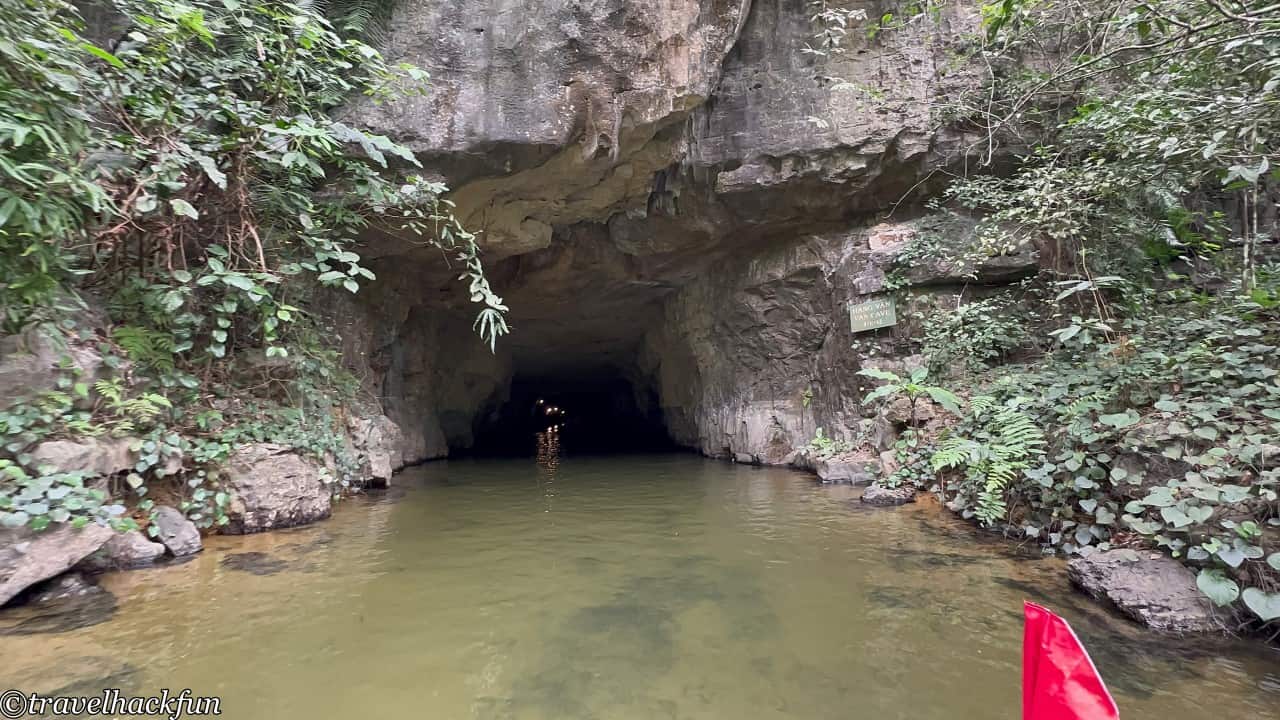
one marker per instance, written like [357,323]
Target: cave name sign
[872,314]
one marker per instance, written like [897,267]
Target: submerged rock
[27,557]
[178,534]
[69,586]
[273,487]
[72,674]
[255,563]
[67,602]
[884,497]
[1156,591]
[124,550]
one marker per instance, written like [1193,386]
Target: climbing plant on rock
[194,172]
[198,163]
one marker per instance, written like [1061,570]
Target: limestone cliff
[665,188]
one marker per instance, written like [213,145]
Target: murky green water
[616,588]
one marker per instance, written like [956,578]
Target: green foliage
[47,194]
[825,447]
[196,176]
[363,19]
[220,176]
[151,349]
[994,445]
[45,497]
[945,242]
[1147,136]
[1162,434]
[913,388]
[1179,93]
[129,414]
[911,453]
[972,336]
[834,26]
[1160,407]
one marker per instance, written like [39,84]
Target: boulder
[881,496]
[800,459]
[888,463]
[377,441]
[95,456]
[272,486]
[851,472]
[1156,591]
[179,535]
[989,271]
[899,412]
[33,360]
[27,557]
[881,433]
[124,550]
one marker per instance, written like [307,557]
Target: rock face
[756,356]
[1158,592]
[28,557]
[32,362]
[124,550]
[432,373]
[558,112]
[273,487]
[574,111]
[179,535]
[664,192]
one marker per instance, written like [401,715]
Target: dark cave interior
[596,412]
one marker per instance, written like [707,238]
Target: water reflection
[548,456]
[548,459]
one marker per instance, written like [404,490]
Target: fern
[130,414]
[110,390]
[1082,406]
[152,349]
[1001,446]
[365,20]
[982,404]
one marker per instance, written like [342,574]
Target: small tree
[912,388]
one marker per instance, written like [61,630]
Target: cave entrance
[593,412]
[583,362]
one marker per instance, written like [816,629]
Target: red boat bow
[1059,680]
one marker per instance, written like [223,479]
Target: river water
[617,588]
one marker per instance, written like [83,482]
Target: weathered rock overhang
[665,195]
